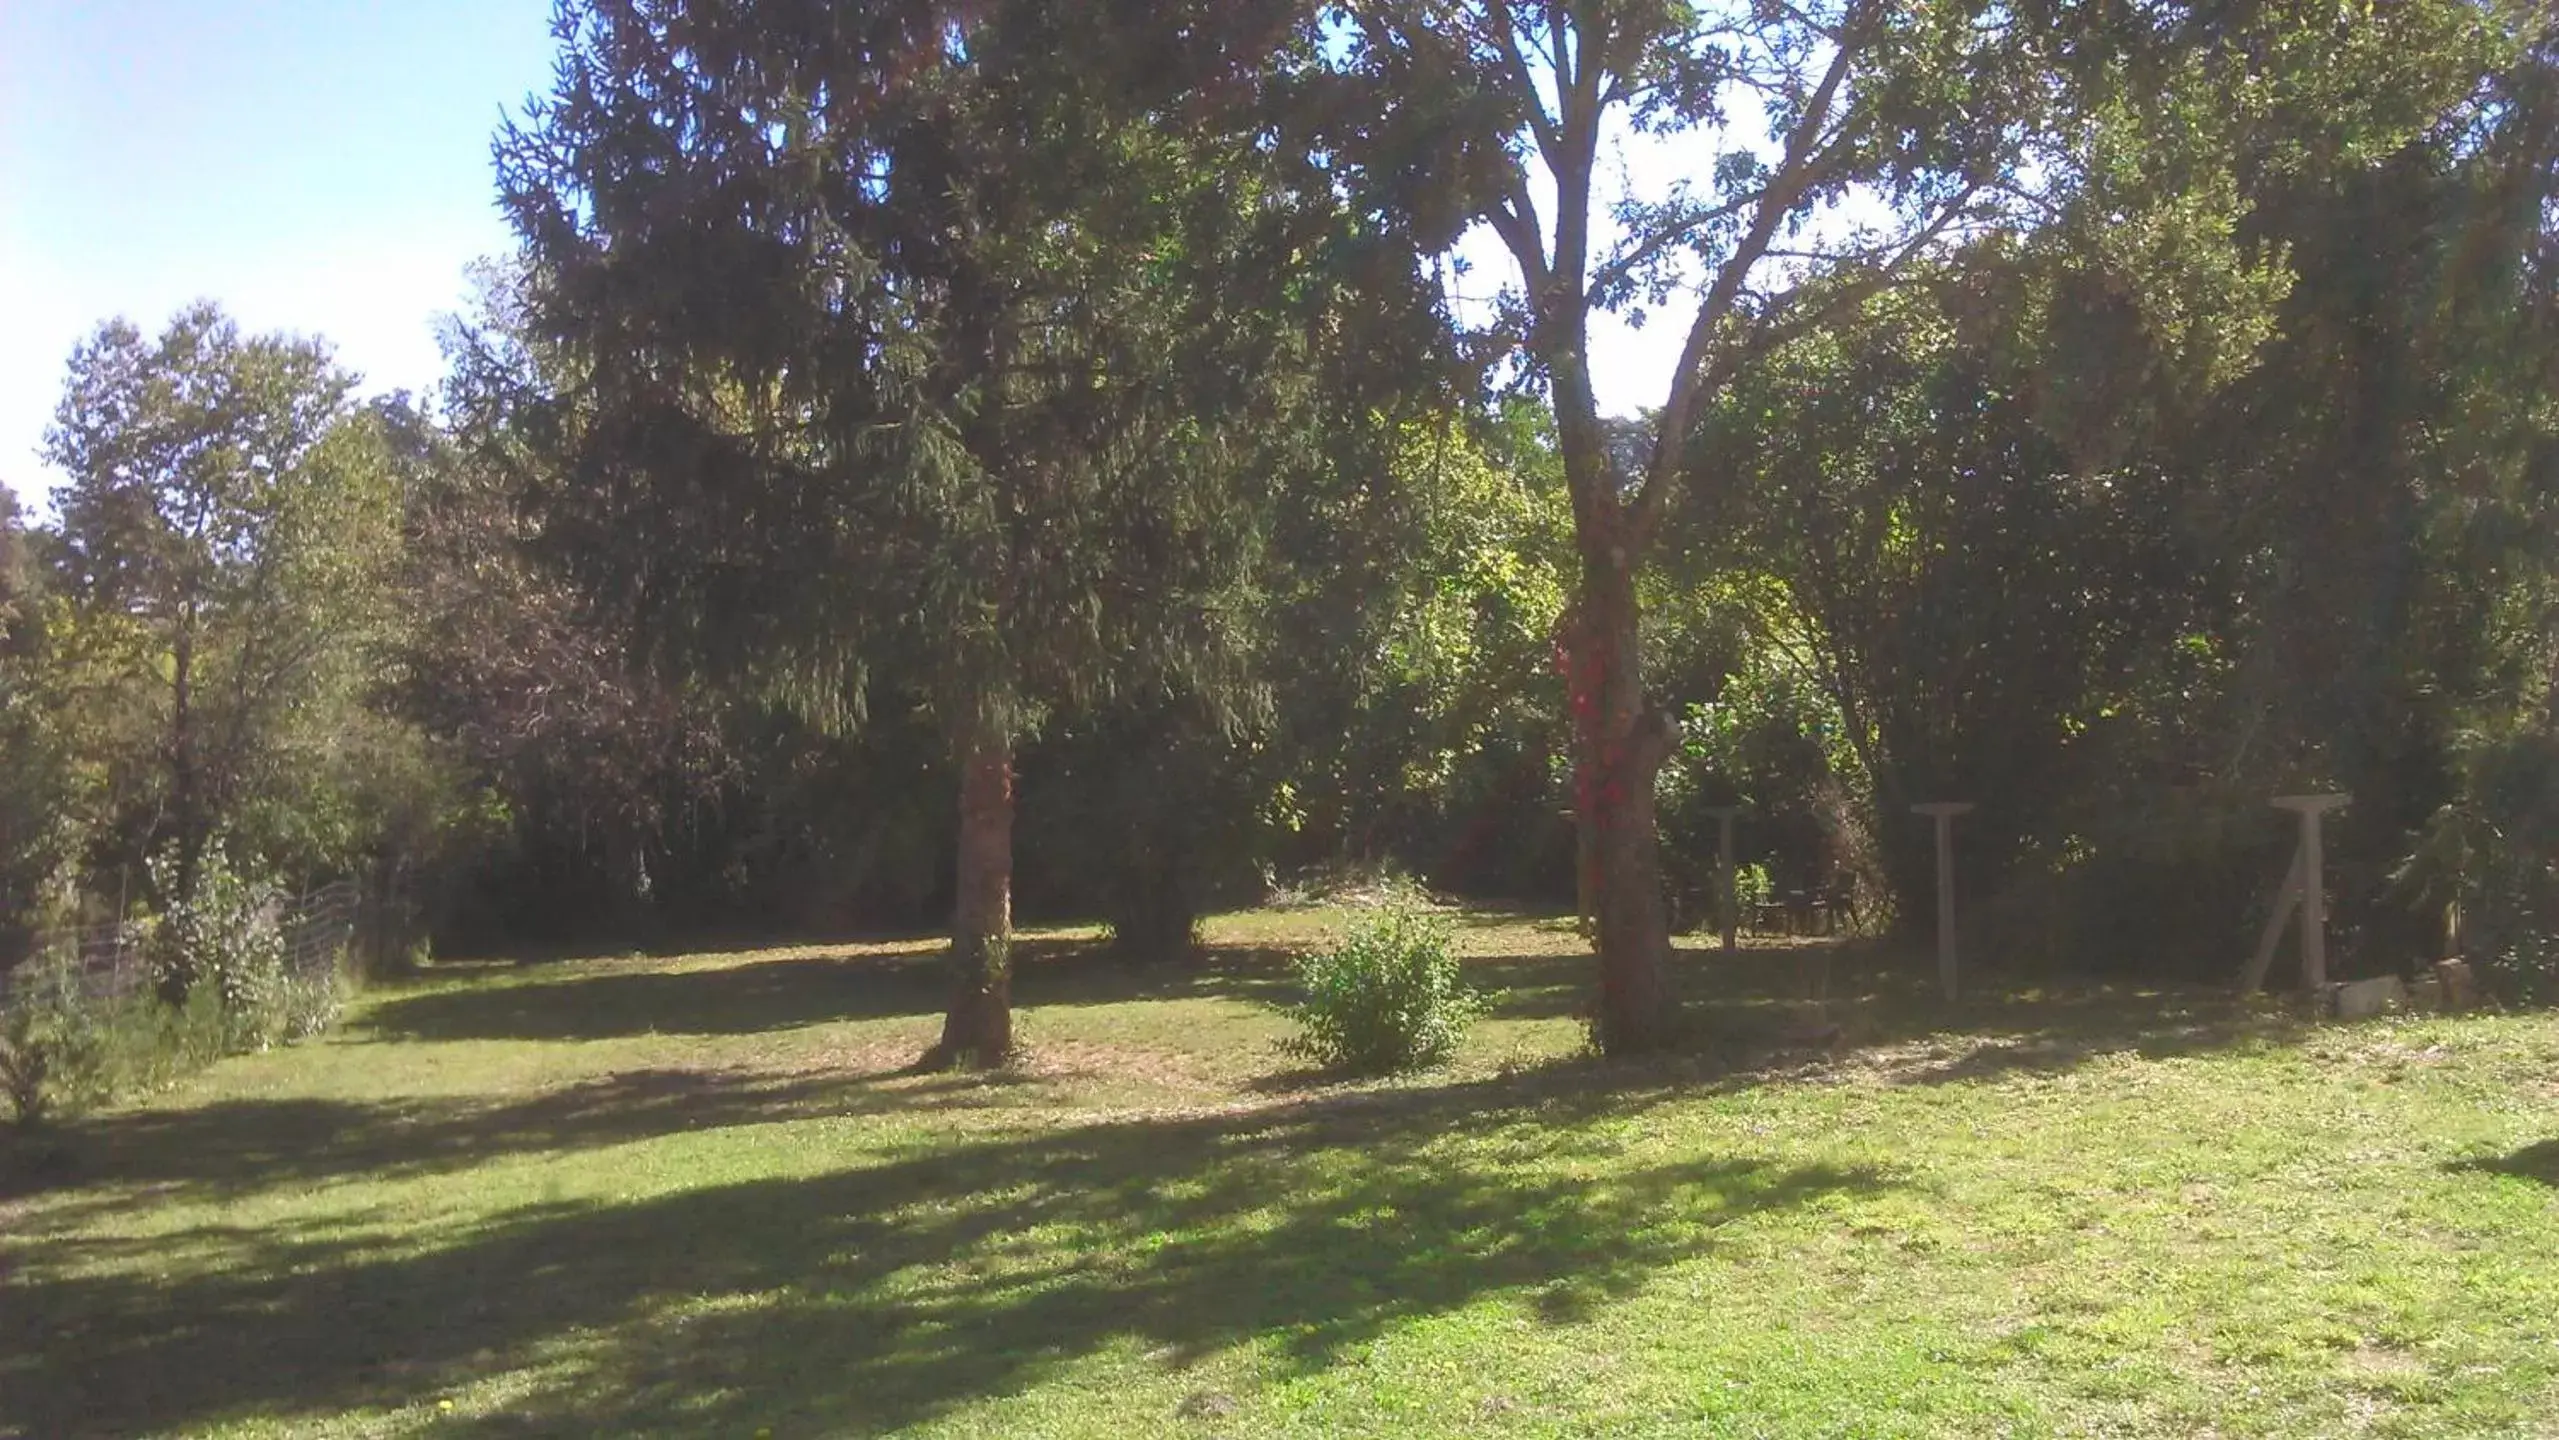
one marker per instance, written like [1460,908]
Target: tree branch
[1550,140]
[1806,163]
[1622,266]
[1516,223]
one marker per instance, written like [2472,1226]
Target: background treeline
[2233,475]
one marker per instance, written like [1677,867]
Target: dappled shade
[880,1294]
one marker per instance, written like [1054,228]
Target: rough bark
[1618,745]
[1622,748]
[978,1029]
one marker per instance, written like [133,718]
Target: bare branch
[1516,223]
[1807,162]
[1550,140]
[1622,266]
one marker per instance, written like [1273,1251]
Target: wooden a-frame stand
[2304,890]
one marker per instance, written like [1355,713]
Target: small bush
[1387,998]
[1751,889]
[151,1046]
[54,1055]
[307,1005]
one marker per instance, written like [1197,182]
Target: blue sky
[314,165]
[319,166]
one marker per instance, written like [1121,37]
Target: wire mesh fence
[112,962]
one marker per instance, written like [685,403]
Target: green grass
[695,1196]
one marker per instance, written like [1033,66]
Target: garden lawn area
[697,1195]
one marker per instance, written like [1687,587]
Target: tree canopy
[925,460]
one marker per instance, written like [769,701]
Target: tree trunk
[1621,747]
[978,1030]
[178,968]
[1618,743]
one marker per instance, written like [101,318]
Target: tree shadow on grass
[225,1149]
[885,1294]
[758,996]
[1750,1014]
[2537,1161]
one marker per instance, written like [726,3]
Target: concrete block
[2361,999]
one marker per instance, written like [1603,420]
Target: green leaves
[1389,997]
[946,357]
[227,537]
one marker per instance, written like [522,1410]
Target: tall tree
[1501,112]
[33,781]
[2119,525]
[228,516]
[902,367]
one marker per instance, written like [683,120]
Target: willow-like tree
[902,368]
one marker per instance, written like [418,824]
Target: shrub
[307,1005]
[1751,889]
[228,932]
[1388,997]
[53,1051]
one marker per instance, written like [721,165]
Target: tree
[34,778]
[2197,490]
[1921,110]
[226,528]
[901,371]
[1851,141]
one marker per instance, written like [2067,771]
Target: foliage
[53,1051]
[1414,718]
[2027,530]
[38,779]
[227,530]
[70,1050]
[228,931]
[1752,888]
[1389,996]
[2489,852]
[223,986]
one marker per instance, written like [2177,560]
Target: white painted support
[1944,813]
[2314,886]
[2286,900]
[1724,879]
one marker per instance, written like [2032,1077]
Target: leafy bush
[228,931]
[53,1051]
[1752,888]
[2490,851]
[307,1005]
[1387,998]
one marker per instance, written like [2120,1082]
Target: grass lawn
[695,1196]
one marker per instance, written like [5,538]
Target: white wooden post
[2314,887]
[1724,879]
[1944,813]
[2263,958]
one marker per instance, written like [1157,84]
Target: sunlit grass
[698,1195]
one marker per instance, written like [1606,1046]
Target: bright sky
[320,166]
